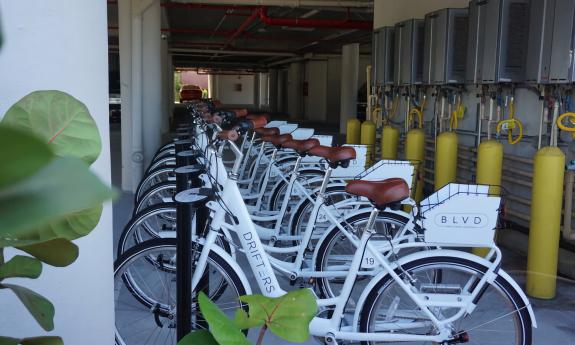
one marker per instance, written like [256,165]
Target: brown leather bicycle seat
[388,191]
[301,146]
[231,135]
[258,121]
[267,131]
[277,140]
[333,154]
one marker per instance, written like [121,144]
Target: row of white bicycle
[290,210]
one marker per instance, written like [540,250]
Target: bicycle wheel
[336,251]
[152,178]
[279,188]
[145,292]
[153,222]
[158,194]
[169,161]
[500,316]
[333,195]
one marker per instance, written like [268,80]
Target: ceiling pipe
[204,5]
[249,20]
[287,3]
[234,52]
[314,23]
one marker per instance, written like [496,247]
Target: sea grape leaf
[21,267]
[201,337]
[60,120]
[41,309]
[23,154]
[223,329]
[63,187]
[287,316]
[58,252]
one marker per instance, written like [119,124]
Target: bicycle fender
[436,253]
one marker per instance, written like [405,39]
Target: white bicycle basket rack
[387,168]
[460,214]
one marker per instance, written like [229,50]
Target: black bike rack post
[189,201]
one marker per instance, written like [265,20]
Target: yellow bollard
[352,131]
[545,224]
[368,138]
[415,151]
[445,159]
[489,169]
[389,141]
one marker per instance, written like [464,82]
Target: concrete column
[349,83]
[167,88]
[294,90]
[152,111]
[273,94]
[257,85]
[141,79]
[63,45]
[263,91]
[125,43]
[213,86]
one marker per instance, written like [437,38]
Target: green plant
[287,316]
[48,195]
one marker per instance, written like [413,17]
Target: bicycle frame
[262,269]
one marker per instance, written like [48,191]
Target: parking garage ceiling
[254,37]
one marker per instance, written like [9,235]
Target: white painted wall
[62,45]
[224,89]
[390,12]
[315,103]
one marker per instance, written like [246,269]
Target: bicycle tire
[154,309]
[520,317]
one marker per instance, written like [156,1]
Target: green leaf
[58,252]
[65,186]
[41,309]
[42,341]
[25,153]
[32,341]
[60,120]
[9,341]
[200,337]
[74,225]
[287,316]
[222,328]
[22,267]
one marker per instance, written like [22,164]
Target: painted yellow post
[368,138]
[545,224]
[352,131]
[415,152]
[389,142]
[445,159]
[489,169]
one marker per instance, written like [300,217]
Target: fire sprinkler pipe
[288,3]
[249,20]
[314,23]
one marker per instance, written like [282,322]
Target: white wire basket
[387,168]
[461,214]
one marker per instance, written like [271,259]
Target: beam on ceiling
[232,52]
[287,3]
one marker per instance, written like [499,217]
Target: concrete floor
[556,318]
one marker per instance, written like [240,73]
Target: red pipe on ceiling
[314,23]
[205,6]
[249,20]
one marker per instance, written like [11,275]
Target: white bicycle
[441,296]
